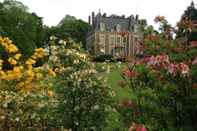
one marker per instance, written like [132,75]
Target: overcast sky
[53,11]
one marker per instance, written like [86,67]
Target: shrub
[25,93]
[84,99]
[164,94]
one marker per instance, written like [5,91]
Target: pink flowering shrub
[163,90]
[162,62]
[163,85]
[129,73]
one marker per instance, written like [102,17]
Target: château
[114,35]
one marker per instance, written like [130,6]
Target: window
[101,45]
[102,26]
[132,27]
[118,28]
[135,28]
[118,40]
[136,39]
[124,39]
[112,40]
[102,38]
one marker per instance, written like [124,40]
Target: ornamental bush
[67,92]
[164,94]
[163,84]
[84,99]
[26,95]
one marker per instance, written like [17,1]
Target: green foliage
[185,26]
[25,28]
[24,111]
[177,51]
[25,101]
[71,27]
[160,105]
[84,99]
[162,100]
[149,30]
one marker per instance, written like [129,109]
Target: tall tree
[186,25]
[69,26]
[24,28]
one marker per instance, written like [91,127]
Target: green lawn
[113,77]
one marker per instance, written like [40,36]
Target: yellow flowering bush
[29,99]
[7,44]
[25,92]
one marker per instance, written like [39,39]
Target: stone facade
[113,35]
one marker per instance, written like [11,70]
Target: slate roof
[111,23]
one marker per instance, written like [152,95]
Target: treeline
[28,32]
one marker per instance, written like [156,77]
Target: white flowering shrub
[84,99]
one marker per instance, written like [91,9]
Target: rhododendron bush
[163,84]
[164,94]
[25,93]
[66,92]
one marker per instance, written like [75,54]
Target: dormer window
[112,29]
[132,28]
[135,28]
[102,26]
[118,28]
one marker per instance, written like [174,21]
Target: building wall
[112,43]
[113,35]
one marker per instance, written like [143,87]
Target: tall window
[118,28]
[136,28]
[102,26]
[118,40]
[124,39]
[102,43]
[102,39]
[112,40]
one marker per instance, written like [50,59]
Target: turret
[137,17]
[192,4]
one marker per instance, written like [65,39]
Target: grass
[113,77]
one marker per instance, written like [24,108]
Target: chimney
[89,20]
[136,17]
[93,18]
[131,17]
